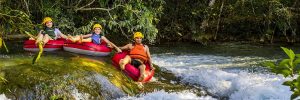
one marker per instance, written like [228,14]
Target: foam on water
[3,97]
[206,70]
[162,95]
[79,96]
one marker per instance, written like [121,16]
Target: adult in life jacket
[139,54]
[94,37]
[49,32]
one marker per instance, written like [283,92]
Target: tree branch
[87,5]
[27,7]
[105,9]
[78,3]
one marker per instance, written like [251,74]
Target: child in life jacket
[94,37]
[49,32]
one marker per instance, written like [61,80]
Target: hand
[31,38]
[152,68]
[109,45]
[119,50]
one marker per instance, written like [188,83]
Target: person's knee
[128,58]
[142,66]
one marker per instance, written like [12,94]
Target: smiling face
[97,30]
[138,40]
[49,24]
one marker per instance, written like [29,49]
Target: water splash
[3,97]
[208,71]
[108,90]
[162,95]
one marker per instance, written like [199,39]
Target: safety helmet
[138,34]
[46,19]
[97,25]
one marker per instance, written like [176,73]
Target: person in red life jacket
[49,32]
[94,37]
[138,55]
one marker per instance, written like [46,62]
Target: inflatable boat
[130,70]
[52,45]
[87,48]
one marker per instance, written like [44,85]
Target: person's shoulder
[146,46]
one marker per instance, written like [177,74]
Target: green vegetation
[223,20]
[288,68]
[160,20]
[119,18]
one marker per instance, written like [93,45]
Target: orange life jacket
[138,52]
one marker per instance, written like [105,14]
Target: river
[230,70]
[222,71]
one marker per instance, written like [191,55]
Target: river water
[229,70]
[224,70]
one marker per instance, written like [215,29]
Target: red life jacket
[139,52]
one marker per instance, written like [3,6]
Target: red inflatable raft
[130,70]
[87,48]
[52,45]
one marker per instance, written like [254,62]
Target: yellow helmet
[46,19]
[138,34]
[97,25]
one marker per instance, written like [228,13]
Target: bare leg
[87,40]
[46,39]
[73,39]
[124,61]
[39,38]
[142,72]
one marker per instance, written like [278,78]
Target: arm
[149,56]
[39,37]
[63,36]
[126,47]
[60,34]
[110,43]
[87,35]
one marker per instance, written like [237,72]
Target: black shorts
[136,63]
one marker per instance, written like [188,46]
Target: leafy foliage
[206,20]
[288,68]
[77,16]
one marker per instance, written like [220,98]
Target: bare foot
[71,38]
[152,68]
[140,85]
[141,78]
[80,38]
[122,65]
